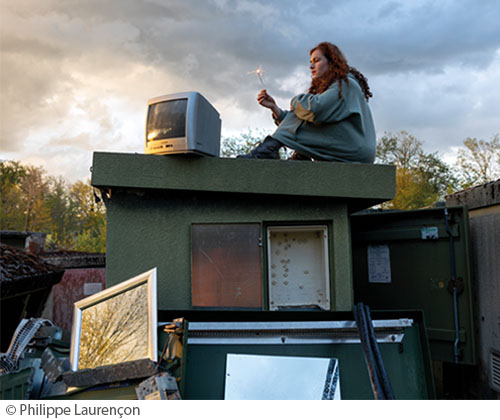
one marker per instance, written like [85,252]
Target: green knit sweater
[326,127]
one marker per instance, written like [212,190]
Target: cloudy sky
[76,74]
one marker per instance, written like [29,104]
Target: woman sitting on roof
[331,122]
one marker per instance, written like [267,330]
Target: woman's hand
[267,101]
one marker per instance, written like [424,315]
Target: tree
[421,178]
[401,149]
[62,214]
[244,142]
[34,188]
[23,191]
[236,145]
[11,176]
[479,161]
[115,330]
[413,190]
[32,201]
[91,218]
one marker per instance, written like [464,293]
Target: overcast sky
[76,75]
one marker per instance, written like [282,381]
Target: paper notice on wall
[379,264]
[91,288]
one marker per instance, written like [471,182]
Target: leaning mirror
[262,377]
[116,325]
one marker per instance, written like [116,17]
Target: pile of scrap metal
[141,378]
[37,366]
[33,365]
[164,385]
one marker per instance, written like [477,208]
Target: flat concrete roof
[369,183]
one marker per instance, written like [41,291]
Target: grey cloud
[15,45]
[433,35]
[211,46]
[28,85]
[128,10]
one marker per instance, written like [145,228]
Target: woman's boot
[268,149]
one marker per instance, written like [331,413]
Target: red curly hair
[337,71]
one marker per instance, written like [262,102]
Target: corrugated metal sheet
[484,195]
[483,202]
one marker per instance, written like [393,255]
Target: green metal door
[412,260]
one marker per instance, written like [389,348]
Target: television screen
[167,120]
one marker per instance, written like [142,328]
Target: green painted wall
[154,230]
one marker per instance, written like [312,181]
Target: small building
[232,233]
[29,241]
[84,275]
[257,244]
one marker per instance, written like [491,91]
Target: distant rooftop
[21,272]
[74,259]
[33,243]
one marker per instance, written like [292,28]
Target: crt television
[182,123]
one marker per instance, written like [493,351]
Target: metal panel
[17,385]
[406,362]
[495,370]
[421,268]
[298,332]
[298,270]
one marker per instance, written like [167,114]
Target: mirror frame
[149,278]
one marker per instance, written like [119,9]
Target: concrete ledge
[374,183]
[142,368]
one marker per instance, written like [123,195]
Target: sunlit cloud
[76,76]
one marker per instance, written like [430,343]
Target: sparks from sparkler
[259,72]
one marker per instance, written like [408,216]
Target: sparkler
[259,73]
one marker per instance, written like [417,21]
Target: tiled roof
[21,272]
